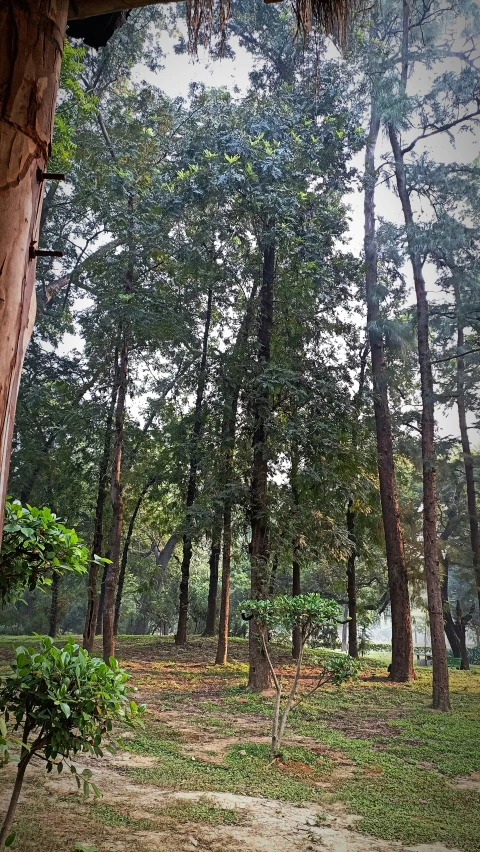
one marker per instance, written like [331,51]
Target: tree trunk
[213,583]
[97,544]
[126,548]
[448,622]
[53,619]
[31,45]
[296,576]
[5,831]
[467,455]
[101,597]
[222,647]
[116,494]
[229,423]
[259,674]
[461,629]
[352,585]
[402,647]
[441,698]
[181,634]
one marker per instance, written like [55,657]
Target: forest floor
[366,768]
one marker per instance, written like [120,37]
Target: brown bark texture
[213,582]
[31,45]
[352,584]
[116,495]
[222,647]
[441,698]
[97,543]
[229,423]
[467,455]
[181,634]
[259,672]
[126,548]
[402,644]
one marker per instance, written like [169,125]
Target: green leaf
[10,839]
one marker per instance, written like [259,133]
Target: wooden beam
[89,8]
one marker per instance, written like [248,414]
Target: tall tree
[181,634]
[402,646]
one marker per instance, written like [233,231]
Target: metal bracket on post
[41,175]
[33,253]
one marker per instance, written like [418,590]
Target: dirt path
[264,825]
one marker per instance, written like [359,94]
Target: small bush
[60,702]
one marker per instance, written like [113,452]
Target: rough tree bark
[116,487]
[259,672]
[213,582]
[181,634]
[448,622]
[467,455]
[97,543]
[441,698]
[31,45]
[229,424]
[352,584]
[126,548]
[402,646]
[116,494]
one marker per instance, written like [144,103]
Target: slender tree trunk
[448,622]
[461,631]
[116,493]
[213,582]
[97,544]
[31,45]
[296,575]
[229,424]
[116,487]
[467,455]
[222,647]
[53,619]
[402,647]
[101,597]
[352,584]
[441,698]
[181,634]
[259,674]
[12,807]
[126,548]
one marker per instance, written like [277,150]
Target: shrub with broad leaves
[58,703]
[36,545]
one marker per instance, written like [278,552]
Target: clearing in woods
[365,768]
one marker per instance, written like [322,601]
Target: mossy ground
[374,746]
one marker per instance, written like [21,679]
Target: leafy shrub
[35,545]
[60,702]
[310,613]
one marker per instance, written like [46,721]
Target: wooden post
[31,45]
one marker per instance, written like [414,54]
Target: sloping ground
[364,769]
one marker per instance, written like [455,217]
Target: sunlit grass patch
[414,806]
[247,770]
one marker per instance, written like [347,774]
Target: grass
[246,770]
[385,754]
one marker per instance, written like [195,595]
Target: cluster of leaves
[67,701]
[307,611]
[35,545]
